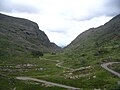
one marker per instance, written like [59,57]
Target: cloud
[76,10]
[9,6]
[63,20]
[95,8]
[58,31]
[112,7]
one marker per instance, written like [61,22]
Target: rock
[94,76]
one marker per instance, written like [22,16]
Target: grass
[116,67]
[97,77]
[103,79]
[7,83]
[92,48]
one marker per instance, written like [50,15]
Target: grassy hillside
[96,45]
[78,65]
[92,48]
[20,36]
[22,43]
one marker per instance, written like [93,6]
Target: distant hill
[21,36]
[96,44]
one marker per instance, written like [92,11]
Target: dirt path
[105,66]
[46,82]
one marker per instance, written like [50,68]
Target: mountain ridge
[23,34]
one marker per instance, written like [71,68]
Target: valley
[29,61]
[47,69]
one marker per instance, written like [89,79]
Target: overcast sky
[63,20]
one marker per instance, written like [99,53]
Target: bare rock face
[17,34]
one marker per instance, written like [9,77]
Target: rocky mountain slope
[19,35]
[96,44]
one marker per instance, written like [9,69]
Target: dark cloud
[7,6]
[112,7]
[109,8]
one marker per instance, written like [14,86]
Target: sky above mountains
[63,20]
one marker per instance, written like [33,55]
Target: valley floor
[57,75]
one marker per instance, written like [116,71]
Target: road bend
[105,66]
[46,82]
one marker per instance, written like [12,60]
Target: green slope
[96,45]
[20,36]
[88,50]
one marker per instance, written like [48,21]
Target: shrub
[37,53]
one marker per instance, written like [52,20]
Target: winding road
[50,83]
[105,66]
[46,82]
[59,64]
